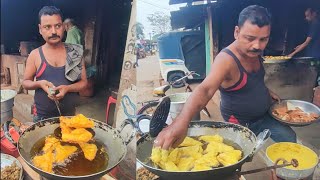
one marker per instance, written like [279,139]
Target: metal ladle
[294,163]
[53,93]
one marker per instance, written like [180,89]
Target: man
[74,34]
[238,73]
[54,65]
[312,42]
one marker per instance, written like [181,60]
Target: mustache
[255,50]
[54,36]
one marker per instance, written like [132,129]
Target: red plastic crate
[6,146]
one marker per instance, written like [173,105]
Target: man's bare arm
[174,134]
[301,46]
[205,91]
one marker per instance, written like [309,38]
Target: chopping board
[30,174]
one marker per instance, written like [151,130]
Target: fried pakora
[185,163]
[191,155]
[63,152]
[44,162]
[89,150]
[50,144]
[72,131]
[211,138]
[230,157]
[292,113]
[189,142]
[209,159]
[218,147]
[79,135]
[78,121]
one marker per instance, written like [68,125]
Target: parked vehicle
[180,53]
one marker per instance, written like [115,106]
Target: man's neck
[54,46]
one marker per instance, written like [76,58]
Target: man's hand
[290,55]
[45,85]
[171,136]
[274,96]
[63,90]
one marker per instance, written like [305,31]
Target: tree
[160,22]
[139,30]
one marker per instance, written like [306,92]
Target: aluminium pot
[7,100]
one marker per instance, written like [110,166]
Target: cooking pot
[113,142]
[233,134]
[7,99]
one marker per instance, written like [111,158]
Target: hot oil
[77,165]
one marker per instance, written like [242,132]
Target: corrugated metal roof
[188,17]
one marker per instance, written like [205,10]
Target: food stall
[219,150]
[290,78]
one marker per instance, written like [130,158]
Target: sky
[146,7]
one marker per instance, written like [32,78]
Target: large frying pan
[233,133]
[115,144]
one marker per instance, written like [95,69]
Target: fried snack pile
[190,155]
[294,114]
[73,131]
[11,172]
[276,57]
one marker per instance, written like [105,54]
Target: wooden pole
[126,98]
[210,29]
[207,44]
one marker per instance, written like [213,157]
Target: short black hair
[49,10]
[257,15]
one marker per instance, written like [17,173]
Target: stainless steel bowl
[7,100]
[305,106]
[292,174]
[7,160]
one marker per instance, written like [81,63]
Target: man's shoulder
[34,52]
[74,48]
[223,56]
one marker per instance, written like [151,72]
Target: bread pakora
[193,155]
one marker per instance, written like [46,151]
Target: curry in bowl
[306,157]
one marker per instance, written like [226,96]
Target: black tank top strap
[228,51]
[43,59]
[42,63]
